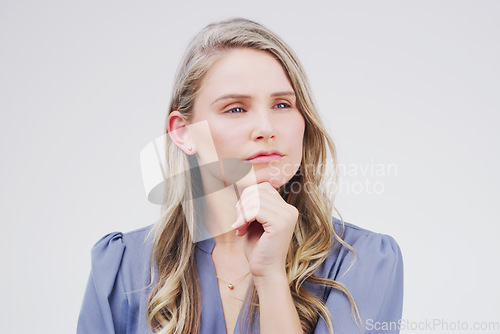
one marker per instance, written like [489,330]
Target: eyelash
[229,111]
[285,106]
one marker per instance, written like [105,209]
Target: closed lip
[264,153]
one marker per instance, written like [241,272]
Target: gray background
[84,86]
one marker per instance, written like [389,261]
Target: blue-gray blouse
[116,295]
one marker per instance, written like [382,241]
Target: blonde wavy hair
[174,302]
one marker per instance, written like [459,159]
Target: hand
[267,222]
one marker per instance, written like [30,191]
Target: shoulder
[117,251]
[361,251]
[119,264]
[369,266]
[363,238]
[114,244]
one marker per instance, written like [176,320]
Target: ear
[177,130]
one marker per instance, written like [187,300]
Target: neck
[230,242]
[229,256]
[220,214]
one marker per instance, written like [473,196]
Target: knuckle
[294,211]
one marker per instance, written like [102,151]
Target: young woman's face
[250,108]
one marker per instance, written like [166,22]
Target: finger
[260,218]
[240,221]
[243,221]
[256,200]
[247,205]
[247,228]
[244,216]
[247,217]
[239,214]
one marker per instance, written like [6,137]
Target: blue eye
[282,106]
[236,110]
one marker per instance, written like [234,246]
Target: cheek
[296,129]
[226,140]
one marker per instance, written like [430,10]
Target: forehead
[245,71]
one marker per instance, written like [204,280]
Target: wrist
[270,281]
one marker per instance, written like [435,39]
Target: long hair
[174,303]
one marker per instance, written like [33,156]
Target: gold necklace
[230,285]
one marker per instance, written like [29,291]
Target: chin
[275,181]
[250,181]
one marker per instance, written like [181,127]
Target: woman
[242,122]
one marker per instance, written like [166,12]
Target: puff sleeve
[375,281]
[104,301]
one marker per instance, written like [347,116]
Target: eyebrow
[240,96]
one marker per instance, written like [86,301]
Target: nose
[263,126]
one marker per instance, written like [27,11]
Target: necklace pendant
[230,286]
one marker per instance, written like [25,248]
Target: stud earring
[190,148]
